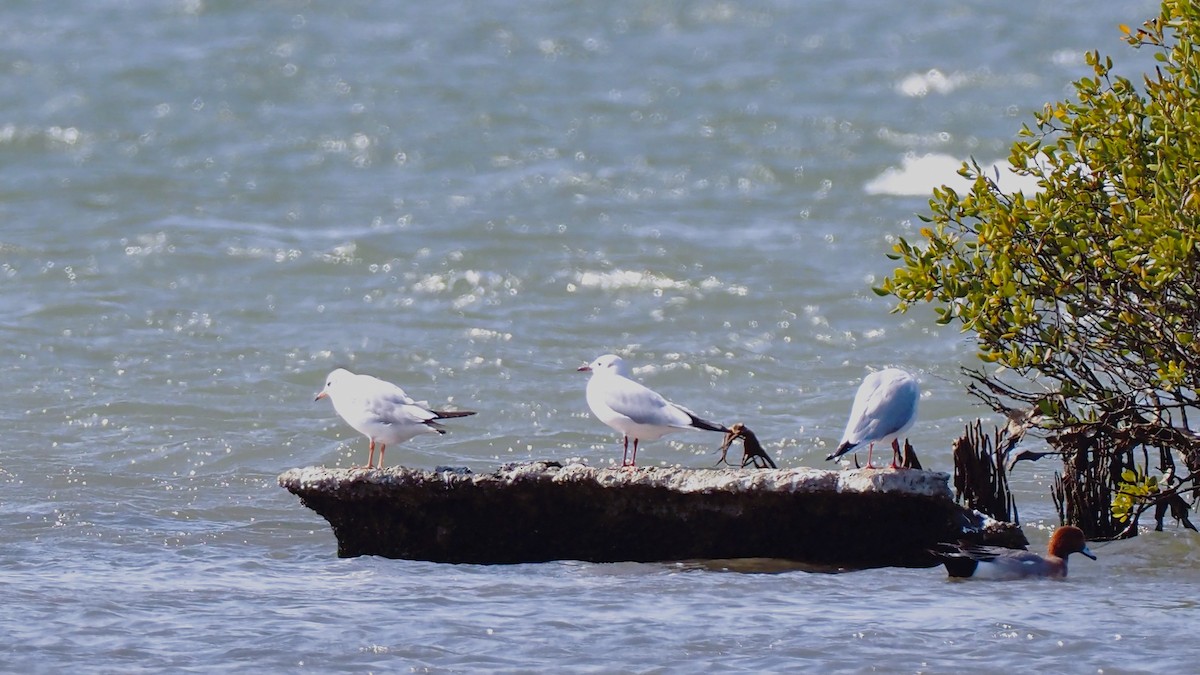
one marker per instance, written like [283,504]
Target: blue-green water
[207,206]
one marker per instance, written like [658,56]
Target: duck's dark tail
[958,563]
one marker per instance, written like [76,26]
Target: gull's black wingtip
[701,423]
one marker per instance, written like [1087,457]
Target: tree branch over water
[1084,297]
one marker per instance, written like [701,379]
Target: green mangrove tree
[1084,296]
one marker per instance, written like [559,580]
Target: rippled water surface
[208,205]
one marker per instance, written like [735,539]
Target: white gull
[884,408]
[633,409]
[380,410]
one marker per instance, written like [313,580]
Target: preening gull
[884,408]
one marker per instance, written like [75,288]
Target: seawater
[208,205]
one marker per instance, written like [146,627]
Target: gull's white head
[609,364]
[333,381]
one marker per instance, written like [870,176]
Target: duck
[997,563]
[381,411]
[634,410]
[884,408]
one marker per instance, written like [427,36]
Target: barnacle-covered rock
[540,511]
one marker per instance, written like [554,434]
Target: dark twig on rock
[752,450]
[910,460]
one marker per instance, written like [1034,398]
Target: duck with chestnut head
[998,563]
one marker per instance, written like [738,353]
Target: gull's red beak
[320,396]
[583,369]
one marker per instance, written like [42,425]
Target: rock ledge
[540,511]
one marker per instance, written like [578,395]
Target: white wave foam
[616,280]
[920,174]
[933,81]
